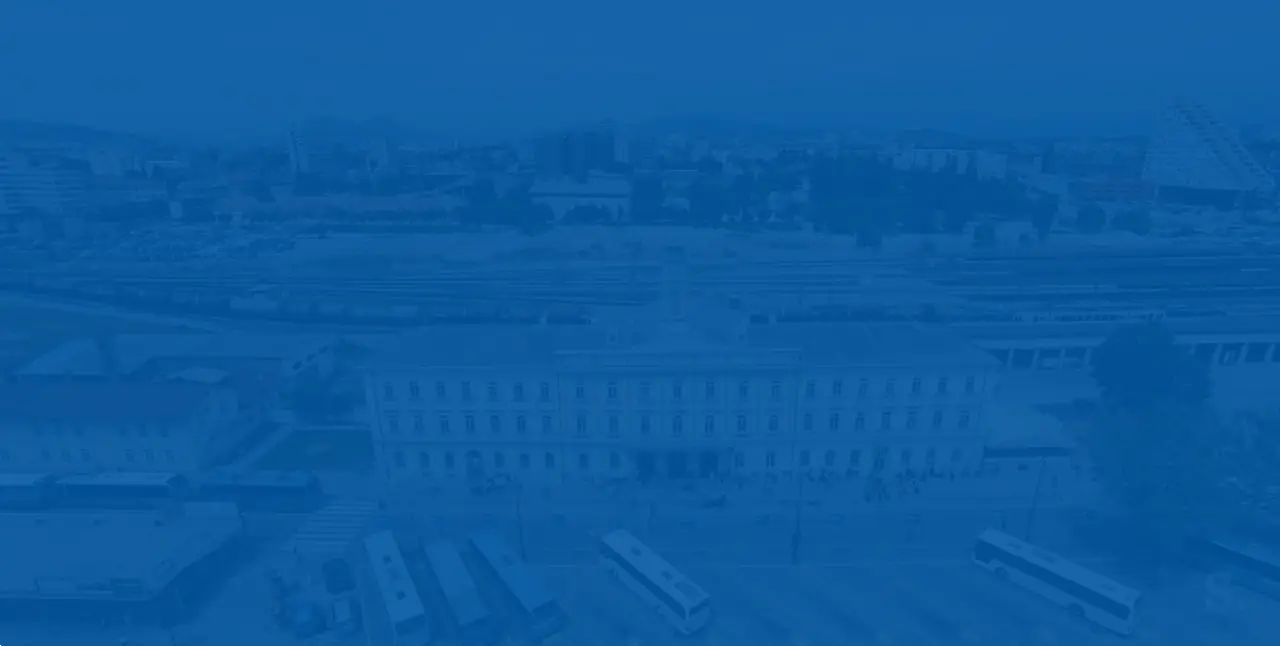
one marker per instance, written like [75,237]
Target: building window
[963,421]
[773,424]
[855,459]
[466,391]
[491,391]
[677,391]
[547,427]
[930,457]
[612,390]
[522,425]
[424,460]
[524,460]
[810,390]
[970,384]
[517,392]
[906,457]
[584,461]
[864,388]
[709,426]
[711,389]
[744,389]
[829,460]
[770,459]
[937,420]
[913,417]
[613,425]
[916,386]
[495,424]
[580,426]
[645,425]
[886,420]
[804,458]
[499,459]
[837,388]
[775,390]
[615,460]
[645,388]
[1230,354]
[739,460]
[414,393]
[549,461]
[448,460]
[419,426]
[544,391]
[741,425]
[677,425]
[444,424]
[393,424]
[388,391]
[833,422]
[469,423]
[860,421]
[441,392]
[807,422]
[942,386]
[580,390]
[890,387]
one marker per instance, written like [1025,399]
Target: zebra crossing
[327,532]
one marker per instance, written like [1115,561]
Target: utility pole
[524,554]
[1035,499]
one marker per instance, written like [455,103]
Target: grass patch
[321,450]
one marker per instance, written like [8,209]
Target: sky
[251,67]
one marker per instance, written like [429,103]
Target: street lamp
[1035,498]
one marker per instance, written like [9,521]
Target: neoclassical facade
[674,400]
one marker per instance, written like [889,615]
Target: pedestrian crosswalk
[328,532]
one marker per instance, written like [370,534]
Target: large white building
[668,399]
[1192,150]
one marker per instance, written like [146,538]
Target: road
[921,603]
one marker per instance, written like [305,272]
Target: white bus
[1252,567]
[539,613]
[1083,592]
[474,623]
[684,604]
[403,606]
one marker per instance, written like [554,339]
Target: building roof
[816,344]
[96,402]
[84,356]
[137,553]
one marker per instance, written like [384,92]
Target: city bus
[538,613]
[475,625]
[675,597]
[265,491]
[1084,593]
[1252,567]
[26,491]
[401,602]
[120,490]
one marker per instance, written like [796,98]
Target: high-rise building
[1194,157]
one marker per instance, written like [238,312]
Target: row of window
[85,456]
[677,425]
[75,429]
[830,459]
[1225,354]
[679,390]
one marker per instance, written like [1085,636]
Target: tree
[1042,215]
[1155,439]
[1091,219]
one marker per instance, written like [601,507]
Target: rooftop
[136,554]
[882,344]
[98,402]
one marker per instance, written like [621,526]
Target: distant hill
[14,132]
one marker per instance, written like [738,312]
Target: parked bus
[269,491]
[1083,592]
[537,612]
[26,491]
[1252,567]
[120,490]
[401,602]
[475,625]
[683,603]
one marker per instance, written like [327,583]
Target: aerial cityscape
[640,381]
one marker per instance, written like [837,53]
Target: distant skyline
[240,69]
